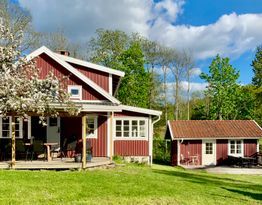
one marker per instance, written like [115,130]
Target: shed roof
[197,129]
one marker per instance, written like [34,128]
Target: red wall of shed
[221,151]
[47,65]
[190,148]
[174,153]
[131,147]
[100,78]
[250,147]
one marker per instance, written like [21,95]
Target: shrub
[161,151]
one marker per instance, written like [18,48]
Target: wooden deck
[57,164]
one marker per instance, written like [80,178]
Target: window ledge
[131,139]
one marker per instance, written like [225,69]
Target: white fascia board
[71,69]
[90,65]
[257,125]
[216,138]
[170,130]
[141,110]
[100,108]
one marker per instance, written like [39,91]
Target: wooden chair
[184,160]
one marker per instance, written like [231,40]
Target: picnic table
[242,161]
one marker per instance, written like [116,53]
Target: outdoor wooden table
[48,145]
[194,159]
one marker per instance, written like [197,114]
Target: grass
[131,184]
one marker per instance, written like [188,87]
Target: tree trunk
[165,92]
[176,98]
[188,96]
[13,144]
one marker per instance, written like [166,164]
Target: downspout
[151,146]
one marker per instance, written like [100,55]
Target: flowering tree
[21,90]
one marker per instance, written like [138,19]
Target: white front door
[53,129]
[208,152]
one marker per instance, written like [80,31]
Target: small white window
[236,147]
[91,126]
[75,91]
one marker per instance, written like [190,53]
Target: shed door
[209,152]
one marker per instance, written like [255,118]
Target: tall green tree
[106,47]
[257,82]
[257,68]
[120,51]
[223,89]
[134,88]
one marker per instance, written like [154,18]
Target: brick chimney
[63,52]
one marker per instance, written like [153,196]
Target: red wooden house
[113,128]
[210,142]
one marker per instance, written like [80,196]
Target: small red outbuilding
[210,142]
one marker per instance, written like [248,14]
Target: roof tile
[215,129]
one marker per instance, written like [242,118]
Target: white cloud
[170,8]
[193,86]
[79,19]
[230,35]
[196,72]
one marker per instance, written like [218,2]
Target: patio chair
[71,148]
[184,160]
[38,150]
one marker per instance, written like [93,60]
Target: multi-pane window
[6,129]
[209,148]
[235,147]
[131,128]
[91,126]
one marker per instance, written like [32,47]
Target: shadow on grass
[256,196]
[229,184]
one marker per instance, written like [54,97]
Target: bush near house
[161,151]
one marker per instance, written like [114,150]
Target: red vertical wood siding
[250,147]
[73,126]
[100,78]
[221,151]
[47,65]
[174,153]
[131,147]
[190,148]
[100,144]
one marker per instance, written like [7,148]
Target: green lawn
[131,184]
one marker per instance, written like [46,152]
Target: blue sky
[205,12]
[232,28]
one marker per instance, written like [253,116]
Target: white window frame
[138,119]
[94,135]
[236,154]
[77,87]
[10,128]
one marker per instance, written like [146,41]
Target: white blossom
[21,90]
